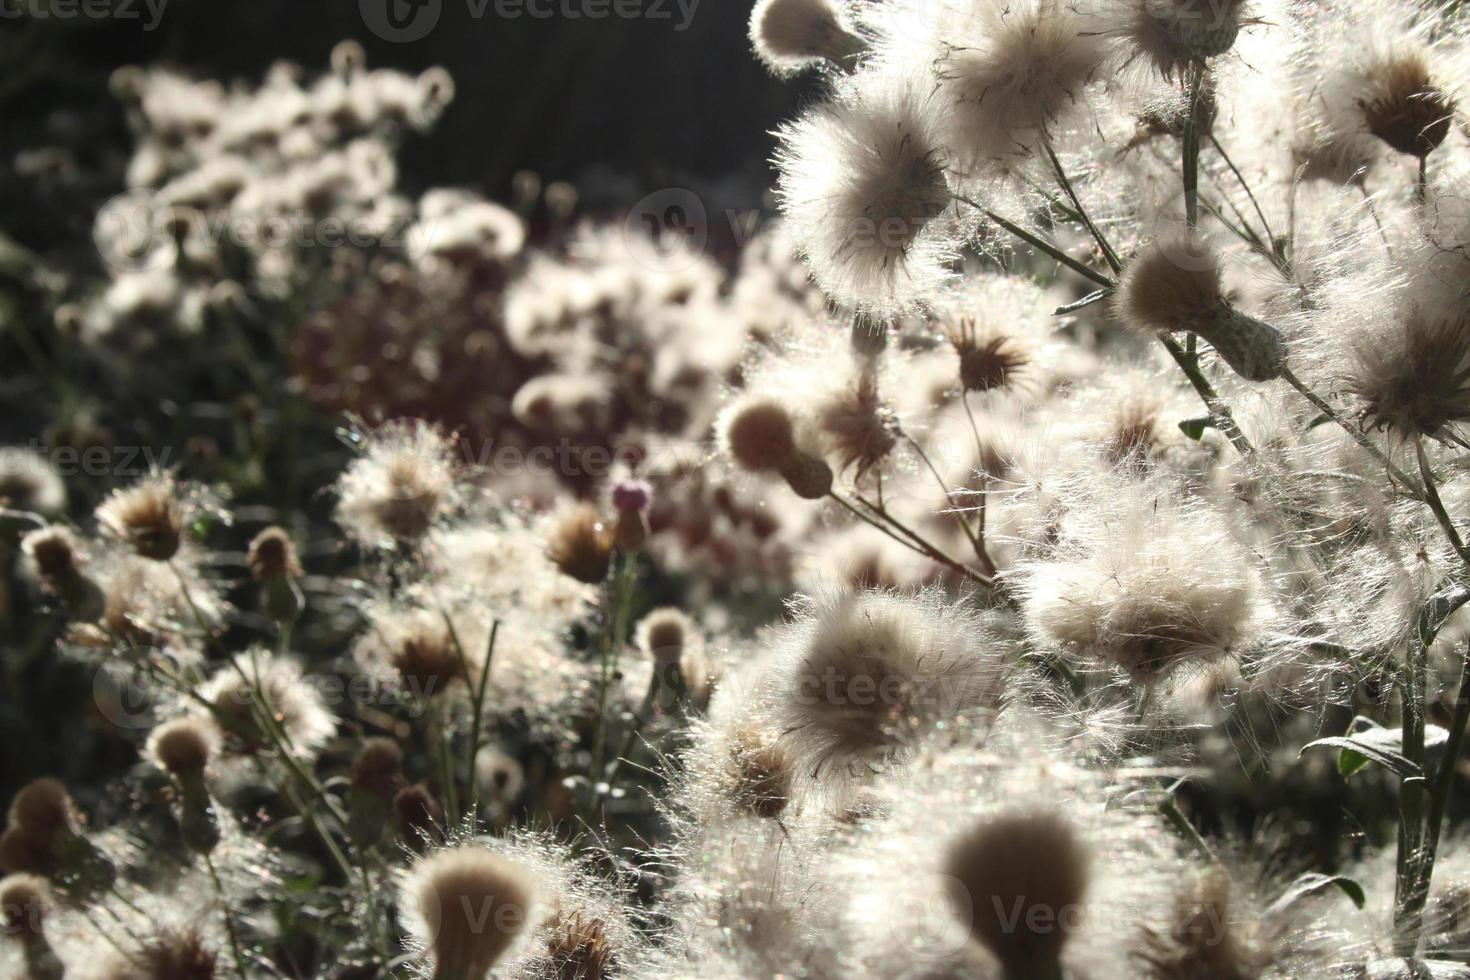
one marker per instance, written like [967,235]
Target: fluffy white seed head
[468,907]
[863,188]
[792,35]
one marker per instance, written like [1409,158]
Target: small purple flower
[632,495]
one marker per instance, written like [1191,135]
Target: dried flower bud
[179,954]
[632,495]
[183,747]
[55,559]
[1175,285]
[758,434]
[24,901]
[472,905]
[663,634]
[791,35]
[378,769]
[149,517]
[272,555]
[808,476]
[1032,860]
[581,545]
[420,817]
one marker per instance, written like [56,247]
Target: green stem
[1191,145]
[1108,254]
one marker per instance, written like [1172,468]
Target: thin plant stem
[1436,505]
[909,539]
[1041,244]
[1191,145]
[949,496]
[611,652]
[1108,254]
[1358,435]
[1245,186]
[476,715]
[635,729]
[1408,910]
[224,902]
[1444,782]
[1220,413]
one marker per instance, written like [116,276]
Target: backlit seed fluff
[470,905]
[1413,377]
[179,954]
[792,35]
[1175,284]
[859,675]
[183,747]
[1010,73]
[758,772]
[405,481]
[862,185]
[1033,860]
[758,434]
[149,517]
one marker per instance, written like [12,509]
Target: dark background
[618,106]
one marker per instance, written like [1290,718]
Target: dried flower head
[1034,860]
[859,424]
[578,947]
[29,482]
[54,554]
[861,674]
[1173,34]
[378,768]
[179,954]
[148,516]
[792,35]
[272,555]
[1406,109]
[989,361]
[1175,284]
[25,899]
[664,634]
[1201,940]
[415,648]
[295,704]
[1010,73]
[404,482]
[1145,585]
[580,544]
[862,187]
[183,746]
[420,817]
[757,432]
[469,906]
[1414,376]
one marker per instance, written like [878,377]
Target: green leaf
[1312,883]
[1371,742]
[1195,428]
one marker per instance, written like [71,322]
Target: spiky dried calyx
[861,427]
[424,654]
[994,363]
[1033,860]
[581,545]
[1408,112]
[272,554]
[578,947]
[149,517]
